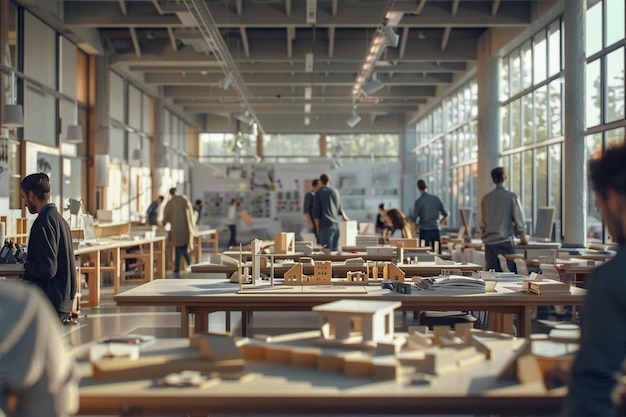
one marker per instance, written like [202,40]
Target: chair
[503,263]
[520,266]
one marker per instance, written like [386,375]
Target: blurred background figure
[399,227]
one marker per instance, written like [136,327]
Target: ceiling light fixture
[13,115]
[355,119]
[373,86]
[391,37]
[225,82]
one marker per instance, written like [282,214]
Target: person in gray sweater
[50,262]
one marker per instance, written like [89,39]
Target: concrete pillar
[487,78]
[574,222]
[158,148]
[408,190]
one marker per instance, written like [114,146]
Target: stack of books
[548,286]
[452,284]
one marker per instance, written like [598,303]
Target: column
[487,78]
[158,148]
[574,222]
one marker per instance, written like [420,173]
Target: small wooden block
[278,354]
[528,370]
[358,367]
[216,346]
[305,357]
[330,362]
[254,352]
[385,368]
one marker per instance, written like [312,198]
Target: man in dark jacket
[50,260]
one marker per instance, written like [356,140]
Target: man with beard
[603,329]
[50,259]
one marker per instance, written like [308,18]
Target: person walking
[179,213]
[307,207]
[327,214]
[231,221]
[595,381]
[152,213]
[501,216]
[198,205]
[430,215]
[50,262]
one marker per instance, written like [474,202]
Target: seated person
[381,223]
[38,375]
[399,227]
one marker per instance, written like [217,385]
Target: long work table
[273,388]
[196,298]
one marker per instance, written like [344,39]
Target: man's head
[608,177]
[199,203]
[325,179]
[315,184]
[421,185]
[497,175]
[160,199]
[35,190]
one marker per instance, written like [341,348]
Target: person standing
[307,208]
[231,221]
[430,215]
[381,226]
[197,208]
[327,214]
[501,216]
[593,376]
[36,368]
[179,213]
[50,262]
[152,213]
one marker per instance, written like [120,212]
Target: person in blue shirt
[429,214]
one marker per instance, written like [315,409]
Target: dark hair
[381,206]
[497,175]
[198,201]
[160,198]
[325,178]
[609,171]
[398,221]
[421,185]
[173,191]
[314,182]
[39,184]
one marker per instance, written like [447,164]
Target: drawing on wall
[262,178]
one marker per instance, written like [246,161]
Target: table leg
[524,321]
[184,321]
[201,322]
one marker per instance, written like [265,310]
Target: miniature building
[358,277]
[294,275]
[284,243]
[359,322]
[322,272]
[394,273]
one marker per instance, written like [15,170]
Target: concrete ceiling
[158,43]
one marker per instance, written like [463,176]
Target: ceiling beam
[136,46]
[445,38]
[170,35]
[244,41]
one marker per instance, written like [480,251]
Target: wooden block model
[305,357]
[278,354]
[216,346]
[386,368]
[294,275]
[394,273]
[322,272]
[284,243]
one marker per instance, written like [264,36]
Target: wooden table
[209,235]
[12,271]
[273,389]
[91,262]
[340,269]
[196,298]
[316,256]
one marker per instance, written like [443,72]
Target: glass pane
[541,180]
[614,21]
[516,73]
[527,109]
[614,85]
[506,127]
[593,94]
[541,113]
[615,137]
[527,181]
[554,48]
[540,67]
[515,174]
[505,78]
[516,127]
[593,145]
[555,108]
[527,66]
[554,198]
[593,35]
